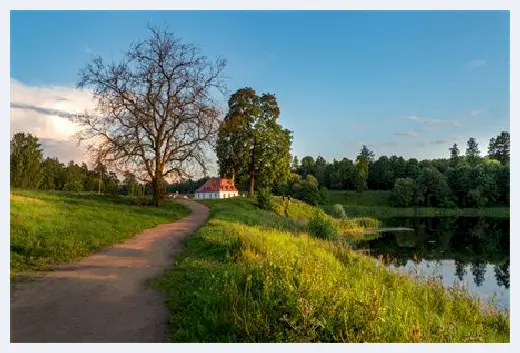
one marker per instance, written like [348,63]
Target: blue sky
[408,83]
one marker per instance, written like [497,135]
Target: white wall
[214,195]
[228,194]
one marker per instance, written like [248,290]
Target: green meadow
[251,275]
[53,227]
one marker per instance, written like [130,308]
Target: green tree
[398,167]
[130,183]
[251,145]
[368,154]
[472,151]
[432,188]
[454,155]
[74,178]
[307,192]
[320,167]
[25,161]
[404,192]
[381,174]
[52,174]
[499,147]
[295,165]
[459,181]
[412,168]
[112,184]
[307,166]
[361,176]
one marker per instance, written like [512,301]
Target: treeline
[467,180]
[28,170]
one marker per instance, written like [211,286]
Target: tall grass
[48,228]
[253,276]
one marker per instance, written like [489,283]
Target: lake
[474,251]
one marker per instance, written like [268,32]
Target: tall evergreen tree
[25,161]
[454,155]
[368,154]
[499,147]
[472,151]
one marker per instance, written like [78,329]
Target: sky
[406,83]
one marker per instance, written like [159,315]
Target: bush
[74,186]
[142,201]
[324,194]
[337,211]
[307,192]
[311,179]
[265,199]
[321,226]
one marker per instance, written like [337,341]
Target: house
[217,188]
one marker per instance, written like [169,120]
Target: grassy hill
[254,276]
[49,228]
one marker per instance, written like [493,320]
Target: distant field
[376,203]
[49,228]
[367,198]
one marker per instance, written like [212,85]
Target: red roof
[217,184]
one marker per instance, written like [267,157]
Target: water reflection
[472,250]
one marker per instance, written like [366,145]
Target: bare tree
[154,111]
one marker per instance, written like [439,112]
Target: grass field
[49,228]
[254,276]
[376,203]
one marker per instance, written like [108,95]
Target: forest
[462,180]
[466,180]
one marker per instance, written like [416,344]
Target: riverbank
[376,203]
[254,276]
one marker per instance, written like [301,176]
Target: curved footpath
[105,297]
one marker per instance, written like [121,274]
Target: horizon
[404,83]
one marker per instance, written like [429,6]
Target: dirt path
[105,297]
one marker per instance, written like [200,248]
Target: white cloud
[434,122]
[43,111]
[447,140]
[412,133]
[475,112]
[473,64]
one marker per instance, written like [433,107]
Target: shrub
[142,201]
[264,199]
[307,192]
[74,186]
[324,194]
[321,226]
[311,179]
[337,211]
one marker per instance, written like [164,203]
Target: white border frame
[511,5]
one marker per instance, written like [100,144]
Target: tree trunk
[156,192]
[251,183]
[252,174]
